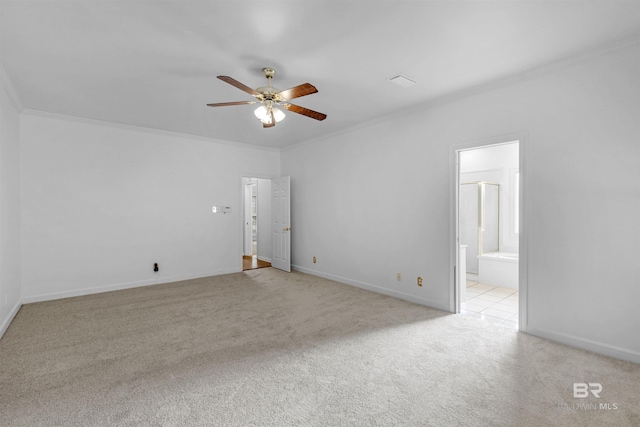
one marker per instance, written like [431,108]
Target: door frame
[241,210]
[454,252]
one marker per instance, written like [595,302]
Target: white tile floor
[491,303]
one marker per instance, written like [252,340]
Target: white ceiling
[154,63]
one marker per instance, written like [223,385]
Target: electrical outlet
[419,281]
[314,260]
[399,277]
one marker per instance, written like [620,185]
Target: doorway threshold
[251,262]
[494,304]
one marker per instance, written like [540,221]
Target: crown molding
[143,129]
[11,89]
[414,109]
[526,75]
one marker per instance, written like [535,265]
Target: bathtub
[499,269]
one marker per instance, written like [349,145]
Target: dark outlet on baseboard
[155,266]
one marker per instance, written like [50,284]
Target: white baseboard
[373,288]
[126,285]
[265,259]
[589,345]
[9,319]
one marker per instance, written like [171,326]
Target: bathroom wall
[496,164]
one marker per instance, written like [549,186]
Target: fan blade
[225,104]
[304,111]
[298,91]
[272,124]
[234,82]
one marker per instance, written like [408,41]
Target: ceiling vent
[402,80]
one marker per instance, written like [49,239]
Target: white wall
[376,201]
[101,204]
[10,281]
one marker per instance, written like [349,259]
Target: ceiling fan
[273,100]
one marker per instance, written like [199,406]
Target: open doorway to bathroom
[256,225]
[488,232]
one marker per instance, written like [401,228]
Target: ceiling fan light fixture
[262,113]
[278,114]
[266,120]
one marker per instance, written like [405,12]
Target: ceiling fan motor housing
[269,92]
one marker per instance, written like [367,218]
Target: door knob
[286,229]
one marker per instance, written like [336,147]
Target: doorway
[256,225]
[487,232]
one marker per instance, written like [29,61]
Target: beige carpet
[267,348]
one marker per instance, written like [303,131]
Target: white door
[281,223]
